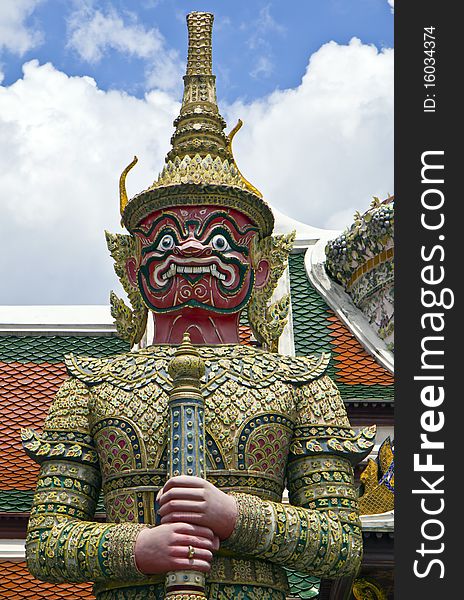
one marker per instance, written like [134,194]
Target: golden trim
[123,200]
[130,322]
[229,138]
[188,194]
[366,589]
[370,264]
[268,320]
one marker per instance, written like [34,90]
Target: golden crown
[200,167]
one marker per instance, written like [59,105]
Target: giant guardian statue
[192,437]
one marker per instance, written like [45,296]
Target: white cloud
[392,5]
[92,34]
[263,67]
[15,35]
[264,25]
[319,152]
[260,29]
[64,143]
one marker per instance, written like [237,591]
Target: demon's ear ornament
[268,321]
[130,323]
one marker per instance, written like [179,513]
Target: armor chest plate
[246,430]
[250,413]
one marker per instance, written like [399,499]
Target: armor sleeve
[63,543]
[319,531]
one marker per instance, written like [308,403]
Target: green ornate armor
[271,421]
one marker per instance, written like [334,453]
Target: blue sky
[259,45]
[86,84]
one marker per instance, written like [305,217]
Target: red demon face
[196,258]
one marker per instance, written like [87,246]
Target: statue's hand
[166,548]
[194,500]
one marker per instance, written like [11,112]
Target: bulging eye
[220,243]
[167,242]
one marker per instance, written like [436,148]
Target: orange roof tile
[244,333]
[26,390]
[16,582]
[353,364]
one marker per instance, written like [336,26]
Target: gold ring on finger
[191,552]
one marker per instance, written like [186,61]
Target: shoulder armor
[259,369]
[59,445]
[252,367]
[302,369]
[128,371]
[313,440]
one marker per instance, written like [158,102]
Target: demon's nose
[193,248]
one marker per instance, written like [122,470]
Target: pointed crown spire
[199,127]
[201,154]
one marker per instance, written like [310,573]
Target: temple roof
[316,328]
[16,582]
[31,371]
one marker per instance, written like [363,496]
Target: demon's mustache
[213,266]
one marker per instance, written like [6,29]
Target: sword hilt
[186,447]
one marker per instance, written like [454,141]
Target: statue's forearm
[322,535]
[63,543]
[295,537]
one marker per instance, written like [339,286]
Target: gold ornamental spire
[200,43]
[201,155]
[199,127]
[201,151]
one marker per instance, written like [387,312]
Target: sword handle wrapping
[186,447]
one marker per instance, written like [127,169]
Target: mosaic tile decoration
[361,259]
[31,370]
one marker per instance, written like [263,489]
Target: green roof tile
[21,501]
[309,311]
[244,318]
[303,586]
[15,500]
[52,349]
